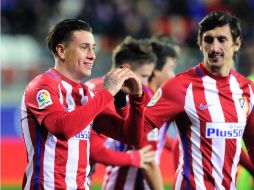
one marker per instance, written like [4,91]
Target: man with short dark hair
[212,106]
[58,111]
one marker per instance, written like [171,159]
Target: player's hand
[124,79]
[146,155]
[114,79]
[132,85]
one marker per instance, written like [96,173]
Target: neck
[222,71]
[153,85]
[65,72]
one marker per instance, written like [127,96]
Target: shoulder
[242,80]
[43,81]
[182,79]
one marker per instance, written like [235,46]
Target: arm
[100,153]
[60,122]
[55,118]
[127,130]
[246,163]
[249,134]
[167,102]
[153,176]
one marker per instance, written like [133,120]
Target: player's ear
[237,44]
[200,46]
[60,50]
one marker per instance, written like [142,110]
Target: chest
[73,96]
[207,101]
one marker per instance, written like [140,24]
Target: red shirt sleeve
[165,104]
[55,118]
[100,153]
[128,130]
[246,163]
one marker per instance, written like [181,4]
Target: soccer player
[165,69]
[212,105]
[58,111]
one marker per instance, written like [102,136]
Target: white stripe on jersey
[235,89]
[218,145]
[60,94]
[195,137]
[49,161]
[72,164]
[179,170]
[69,99]
[251,99]
[28,142]
[161,142]
[130,178]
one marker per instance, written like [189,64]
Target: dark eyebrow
[87,44]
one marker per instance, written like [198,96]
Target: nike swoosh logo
[202,107]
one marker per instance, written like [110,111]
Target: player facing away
[58,111]
[212,105]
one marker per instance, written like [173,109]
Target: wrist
[135,158]
[139,94]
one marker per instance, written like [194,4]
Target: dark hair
[62,32]
[132,51]
[162,52]
[216,19]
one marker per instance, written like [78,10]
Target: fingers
[114,79]
[145,148]
[147,155]
[125,79]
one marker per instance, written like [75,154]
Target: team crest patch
[155,98]
[244,104]
[43,98]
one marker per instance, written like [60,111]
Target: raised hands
[122,79]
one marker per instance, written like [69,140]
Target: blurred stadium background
[24,25]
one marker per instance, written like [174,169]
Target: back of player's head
[162,52]
[219,19]
[62,32]
[133,52]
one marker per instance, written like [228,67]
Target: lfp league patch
[155,98]
[43,98]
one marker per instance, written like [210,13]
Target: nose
[215,46]
[91,54]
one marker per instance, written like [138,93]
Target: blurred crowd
[112,20]
[118,18]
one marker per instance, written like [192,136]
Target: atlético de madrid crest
[244,104]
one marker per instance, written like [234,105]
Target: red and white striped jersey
[211,113]
[57,115]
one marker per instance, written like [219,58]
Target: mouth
[215,56]
[88,65]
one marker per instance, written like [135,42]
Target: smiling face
[218,48]
[76,57]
